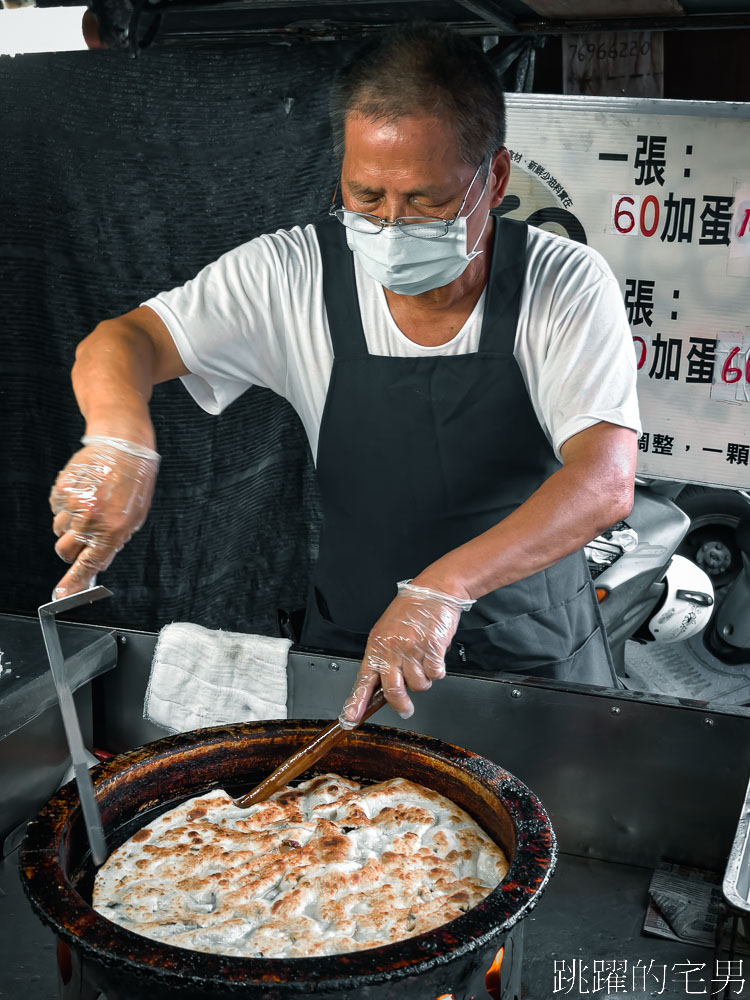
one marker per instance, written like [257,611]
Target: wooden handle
[306,757]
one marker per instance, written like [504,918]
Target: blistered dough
[325,867]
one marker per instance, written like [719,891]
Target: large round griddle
[135,787]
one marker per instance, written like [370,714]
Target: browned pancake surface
[323,868]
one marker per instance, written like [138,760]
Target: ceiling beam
[603,9]
[492,12]
[688,22]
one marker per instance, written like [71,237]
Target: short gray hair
[423,68]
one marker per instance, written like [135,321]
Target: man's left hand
[406,648]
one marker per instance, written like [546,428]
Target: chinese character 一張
[650,159]
[639,300]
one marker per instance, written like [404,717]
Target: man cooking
[467,384]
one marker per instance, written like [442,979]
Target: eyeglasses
[421,227]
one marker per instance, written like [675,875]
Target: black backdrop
[122,177]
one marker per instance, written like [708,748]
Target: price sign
[662,190]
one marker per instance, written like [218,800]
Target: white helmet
[687,603]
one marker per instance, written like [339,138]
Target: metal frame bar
[493,13]
[494,19]
[89,805]
[676,22]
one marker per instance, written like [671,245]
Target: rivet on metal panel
[122,639]
[333,666]
[515,693]
[709,722]
[615,710]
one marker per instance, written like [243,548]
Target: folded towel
[200,677]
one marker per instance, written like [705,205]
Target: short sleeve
[226,325]
[588,372]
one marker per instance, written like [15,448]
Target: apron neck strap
[504,287]
[340,291]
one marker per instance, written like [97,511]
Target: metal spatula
[306,757]
[89,806]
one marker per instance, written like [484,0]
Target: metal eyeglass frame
[406,223]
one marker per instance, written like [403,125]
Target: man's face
[411,167]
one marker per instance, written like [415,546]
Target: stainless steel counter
[627,780]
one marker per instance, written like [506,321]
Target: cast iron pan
[134,788]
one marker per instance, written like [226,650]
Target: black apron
[418,455]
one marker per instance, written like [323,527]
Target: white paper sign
[662,190]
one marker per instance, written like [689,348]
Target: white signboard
[662,190]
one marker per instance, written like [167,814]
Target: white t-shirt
[256,316]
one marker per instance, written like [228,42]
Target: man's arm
[115,370]
[104,492]
[591,492]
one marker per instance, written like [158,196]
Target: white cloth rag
[201,677]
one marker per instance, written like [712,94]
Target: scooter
[719,542]
[646,590]
[728,638]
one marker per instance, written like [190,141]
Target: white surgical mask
[408,265]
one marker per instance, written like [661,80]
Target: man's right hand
[104,492]
[99,500]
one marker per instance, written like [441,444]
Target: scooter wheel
[710,541]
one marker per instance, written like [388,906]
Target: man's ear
[500,170]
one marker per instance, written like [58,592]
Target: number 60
[624,220]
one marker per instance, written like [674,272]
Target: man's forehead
[419,134]
[405,145]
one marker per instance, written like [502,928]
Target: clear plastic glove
[99,500]
[406,648]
